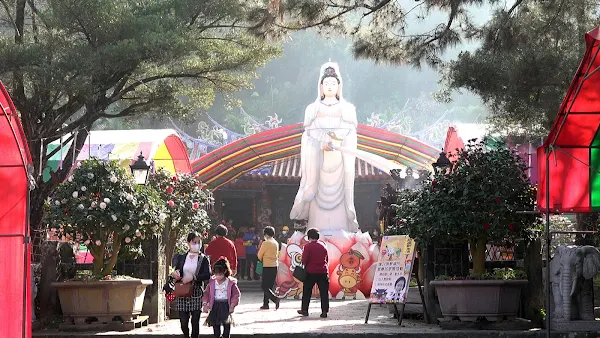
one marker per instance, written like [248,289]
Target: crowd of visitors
[204,279]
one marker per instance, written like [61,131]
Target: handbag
[259,268]
[300,273]
[184,290]
[187,290]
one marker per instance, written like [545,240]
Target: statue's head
[330,81]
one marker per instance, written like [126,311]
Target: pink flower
[170,190]
[511,227]
[486,226]
[171,203]
[497,199]
[174,178]
[433,183]
[195,206]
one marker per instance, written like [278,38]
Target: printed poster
[393,271]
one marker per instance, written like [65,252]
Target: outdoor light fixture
[140,170]
[441,164]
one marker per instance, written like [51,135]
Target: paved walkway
[346,319]
[344,316]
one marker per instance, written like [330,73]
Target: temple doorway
[239,211]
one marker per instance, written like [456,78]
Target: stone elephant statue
[571,276]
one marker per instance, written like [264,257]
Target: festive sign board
[393,270]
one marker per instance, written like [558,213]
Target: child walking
[220,298]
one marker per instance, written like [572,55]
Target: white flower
[83,188]
[98,242]
[114,218]
[80,207]
[70,179]
[129,197]
[75,194]
[126,227]
[146,206]
[64,201]
[90,175]
[89,217]
[113,179]
[162,217]
[127,239]
[94,204]
[57,202]
[138,233]
[107,200]
[102,205]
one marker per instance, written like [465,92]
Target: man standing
[222,246]
[251,240]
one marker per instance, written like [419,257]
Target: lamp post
[140,170]
[441,165]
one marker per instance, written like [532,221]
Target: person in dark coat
[191,267]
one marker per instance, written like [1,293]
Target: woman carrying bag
[191,270]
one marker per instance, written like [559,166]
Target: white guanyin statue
[328,154]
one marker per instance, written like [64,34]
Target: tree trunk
[478,247]
[533,294]
[586,222]
[114,255]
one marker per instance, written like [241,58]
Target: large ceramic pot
[103,300]
[469,299]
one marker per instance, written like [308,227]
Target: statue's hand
[327,146]
[334,136]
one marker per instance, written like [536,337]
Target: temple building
[265,196]
[255,176]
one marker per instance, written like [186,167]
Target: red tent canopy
[15,302]
[573,145]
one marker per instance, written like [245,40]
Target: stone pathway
[344,316]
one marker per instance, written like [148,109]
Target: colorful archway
[233,160]
[161,146]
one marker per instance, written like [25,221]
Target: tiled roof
[289,170]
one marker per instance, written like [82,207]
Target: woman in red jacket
[316,264]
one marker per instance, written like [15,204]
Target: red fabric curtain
[15,302]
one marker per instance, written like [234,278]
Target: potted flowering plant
[477,200]
[185,199]
[101,205]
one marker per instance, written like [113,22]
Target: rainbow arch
[229,162]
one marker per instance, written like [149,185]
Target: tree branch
[130,110]
[20,21]
[320,23]
[53,152]
[12,21]
[373,9]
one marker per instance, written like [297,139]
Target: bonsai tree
[478,199]
[101,205]
[185,198]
